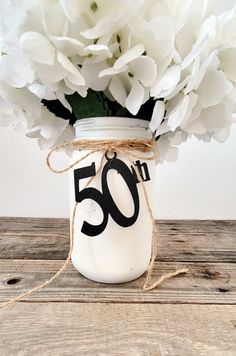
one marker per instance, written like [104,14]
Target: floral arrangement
[171,62]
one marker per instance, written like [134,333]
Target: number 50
[104,199]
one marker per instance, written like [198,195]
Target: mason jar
[112,226]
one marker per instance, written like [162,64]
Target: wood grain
[188,315]
[115,329]
[206,283]
[190,241]
[33,238]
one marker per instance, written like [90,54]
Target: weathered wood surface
[190,241]
[189,315]
[206,283]
[60,329]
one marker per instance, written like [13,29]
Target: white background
[201,185]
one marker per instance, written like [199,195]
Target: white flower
[167,83]
[50,130]
[132,72]
[38,47]
[179,54]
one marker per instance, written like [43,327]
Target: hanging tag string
[124,147]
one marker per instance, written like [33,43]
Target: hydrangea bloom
[178,54]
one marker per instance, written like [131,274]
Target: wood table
[188,315]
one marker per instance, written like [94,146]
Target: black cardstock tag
[104,199]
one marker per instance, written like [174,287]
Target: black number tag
[105,199]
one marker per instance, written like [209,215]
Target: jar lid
[112,127]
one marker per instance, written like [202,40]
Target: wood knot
[13,281]
[223,290]
[211,275]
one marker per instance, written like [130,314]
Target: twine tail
[154,239]
[164,277]
[57,274]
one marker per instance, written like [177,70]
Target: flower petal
[74,74]
[221,135]
[167,83]
[71,9]
[213,88]
[198,72]
[206,32]
[101,28]
[8,74]
[129,56]
[37,47]
[157,116]
[5,107]
[79,89]
[214,117]
[53,18]
[54,128]
[135,97]
[97,49]
[162,40]
[177,115]
[193,100]
[42,91]
[228,62]
[26,101]
[112,71]
[114,19]
[118,91]
[90,72]
[21,64]
[144,69]
[49,73]
[62,99]
[195,127]
[162,129]
[179,88]
[69,46]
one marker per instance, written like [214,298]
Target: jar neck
[112,128]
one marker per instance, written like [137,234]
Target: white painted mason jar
[112,228]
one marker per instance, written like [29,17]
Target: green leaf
[116,109]
[90,106]
[96,104]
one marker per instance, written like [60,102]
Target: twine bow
[126,148]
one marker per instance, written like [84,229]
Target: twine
[106,146]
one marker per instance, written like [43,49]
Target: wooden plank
[209,241]
[117,329]
[206,283]
[197,240]
[34,238]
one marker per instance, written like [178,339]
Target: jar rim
[117,121]
[112,127]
